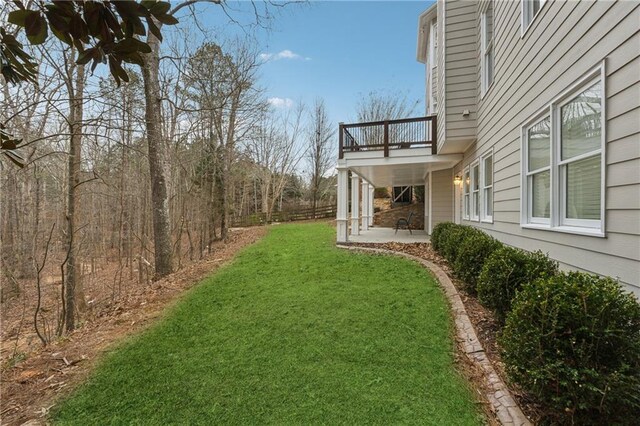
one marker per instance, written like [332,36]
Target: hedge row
[570,339]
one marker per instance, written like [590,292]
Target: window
[530,9]
[486,46]
[539,171]
[475,191]
[581,158]
[432,69]
[466,183]
[563,177]
[486,211]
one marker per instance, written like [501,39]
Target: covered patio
[389,235]
[386,154]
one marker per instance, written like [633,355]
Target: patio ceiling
[399,171]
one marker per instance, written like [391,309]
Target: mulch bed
[487,328]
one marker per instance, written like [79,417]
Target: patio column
[365,205]
[370,211]
[355,204]
[429,199]
[343,206]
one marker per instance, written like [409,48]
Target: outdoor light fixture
[457,180]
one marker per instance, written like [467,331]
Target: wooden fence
[322,212]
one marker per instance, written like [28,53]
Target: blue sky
[337,50]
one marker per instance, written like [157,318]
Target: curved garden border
[502,402]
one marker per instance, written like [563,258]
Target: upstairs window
[486,46]
[530,9]
[433,68]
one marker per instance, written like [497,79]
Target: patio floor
[388,235]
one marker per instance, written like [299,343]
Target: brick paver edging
[502,402]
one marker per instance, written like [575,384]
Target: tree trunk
[74,294]
[159,196]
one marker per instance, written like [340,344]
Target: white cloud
[284,54]
[281,102]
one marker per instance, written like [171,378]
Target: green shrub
[471,255]
[452,241]
[505,271]
[439,234]
[573,341]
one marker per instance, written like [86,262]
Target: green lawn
[294,331]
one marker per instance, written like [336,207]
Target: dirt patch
[30,388]
[483,321]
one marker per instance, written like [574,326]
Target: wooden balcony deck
[406,133]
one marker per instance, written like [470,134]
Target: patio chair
[405,222]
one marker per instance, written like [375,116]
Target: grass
[294,331]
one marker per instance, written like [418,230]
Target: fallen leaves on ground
[30,387]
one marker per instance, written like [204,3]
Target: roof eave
[423,31]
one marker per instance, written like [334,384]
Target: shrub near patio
[473,252]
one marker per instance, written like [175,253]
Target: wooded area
[126,179]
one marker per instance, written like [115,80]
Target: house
[532,131]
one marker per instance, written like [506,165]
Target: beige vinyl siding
[564,42]
[461,61]
[442,196]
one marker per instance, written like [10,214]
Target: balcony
[405,133]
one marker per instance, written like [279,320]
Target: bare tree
[378,106]
[277,151]
[74,296]
[319,134]
[381,106]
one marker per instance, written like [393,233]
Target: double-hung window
[580,157]
[563,179]
[467,184]
[486,46]
[538,166]
[475,190]
[529,9]
[486,210]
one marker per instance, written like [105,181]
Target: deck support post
[343,206]
[365,205]
[355,204]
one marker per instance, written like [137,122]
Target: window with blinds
[580,162]
[563,162]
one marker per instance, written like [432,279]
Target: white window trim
[484,87]
[484,217]
[466,196]
[474,215]
[523,14]
[557,221]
